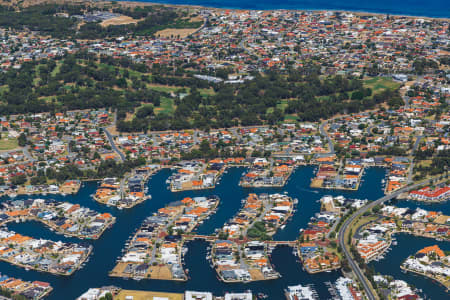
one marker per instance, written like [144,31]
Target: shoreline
[447,289]
[355,11]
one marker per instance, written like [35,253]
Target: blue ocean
[430,8]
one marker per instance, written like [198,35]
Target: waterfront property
[296,292]
[242,262]
[337,175]
[431,262]
[125,193]
[428,194]
[316,250]
[398,173]
[42,255]
[108,192]
[156,249]
[195,175]
[260,216]
[395,288]
[266,174]
[63,217]
[29,290]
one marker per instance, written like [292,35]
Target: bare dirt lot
[160,272]
[122,20]
[142,295]
[176,33]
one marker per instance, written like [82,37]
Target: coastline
[356,11]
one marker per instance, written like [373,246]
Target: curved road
[113,145]
[358,213]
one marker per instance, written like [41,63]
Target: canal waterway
[202,277]
[409,245]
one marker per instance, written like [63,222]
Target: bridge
[282,243]
[212,238]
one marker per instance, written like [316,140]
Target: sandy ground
[122,20]
[143,295]
[316,183]
[176,33]
[118,269]
[129,116]
[72,189]
[256,274]
[441,219]
[160,272]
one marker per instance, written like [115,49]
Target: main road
[354,265]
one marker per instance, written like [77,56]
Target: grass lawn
[206,92]
[380,83]
[4,88]
[168,89]
[7,143]
[425,163]
[56,70]
[354,226]
[290,118]
[283,104]
[163,88]
[47,99]
[167,106]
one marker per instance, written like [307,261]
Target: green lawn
[290,118]
[168,89]
[7,143]
[206,92]
[167,106]
[4,88]
[381,83]
[56,70]
[165,89]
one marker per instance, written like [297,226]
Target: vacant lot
[143,295]
[175,33]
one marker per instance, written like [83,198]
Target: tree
[19,179]
[22,140]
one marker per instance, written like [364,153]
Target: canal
[203,278]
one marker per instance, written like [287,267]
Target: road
[353,265]
[27,154]
[111,140]
[414,149]
[113,145]
[324,133]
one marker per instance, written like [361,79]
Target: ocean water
[203,277]
[430,8]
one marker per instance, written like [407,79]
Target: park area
[7,143]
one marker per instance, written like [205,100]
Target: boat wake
[308,191]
